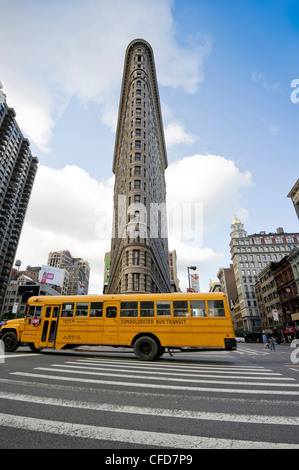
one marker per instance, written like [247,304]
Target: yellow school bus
[148,323]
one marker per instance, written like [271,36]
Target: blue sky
[224,70]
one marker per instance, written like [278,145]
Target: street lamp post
[193,268]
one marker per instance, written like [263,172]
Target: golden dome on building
[236,221]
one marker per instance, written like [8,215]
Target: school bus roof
[45,299]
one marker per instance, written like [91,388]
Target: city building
[250,255]
[139,244]
[294,195]
[17,172]
[268,299]
[227,280]
[77,268]
[215,286]
[173,272]
[19,291]
[106,271]
[287,290]
[277,294]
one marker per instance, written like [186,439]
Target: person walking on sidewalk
[272,343]
[265,340]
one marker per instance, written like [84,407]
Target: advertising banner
[50,275]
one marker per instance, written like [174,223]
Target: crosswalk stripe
[164,373]
[161,412]
[158,386]
[172,379]
[162,366]
[219,370]
[146,438]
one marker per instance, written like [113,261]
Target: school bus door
[49,327]
[111,314]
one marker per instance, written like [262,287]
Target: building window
[137,184]
[135,281]
[137,157]
[136,257]
[137,170]
[138,144]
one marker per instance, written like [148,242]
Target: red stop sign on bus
[35,321]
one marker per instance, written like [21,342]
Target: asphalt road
[110,400]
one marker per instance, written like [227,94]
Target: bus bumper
[230,343]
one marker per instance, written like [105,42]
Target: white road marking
[160,412]
[212,369]
[190,374]
[172,379]
[163,365]
[157,386]
[131,436]
[12,356]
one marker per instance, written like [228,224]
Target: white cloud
[61,50]
[210,180]
[176,134]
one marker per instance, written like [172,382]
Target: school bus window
[180,308]
[163,307]
[52,330]
[147,309]
[48,312]
[96,309]
[216,308]
[198,308]
[129,309]
[67,310]
[81,309]
[111,312]
[55,312]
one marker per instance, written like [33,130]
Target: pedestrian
[265,340]
[272,343]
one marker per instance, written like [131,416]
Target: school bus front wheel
[10,341]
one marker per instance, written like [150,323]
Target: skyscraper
[17,172]
[139,245]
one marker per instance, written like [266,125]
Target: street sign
[194,278]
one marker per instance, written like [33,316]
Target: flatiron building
[139,245]
[17,172]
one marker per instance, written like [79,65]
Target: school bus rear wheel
[146,348]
